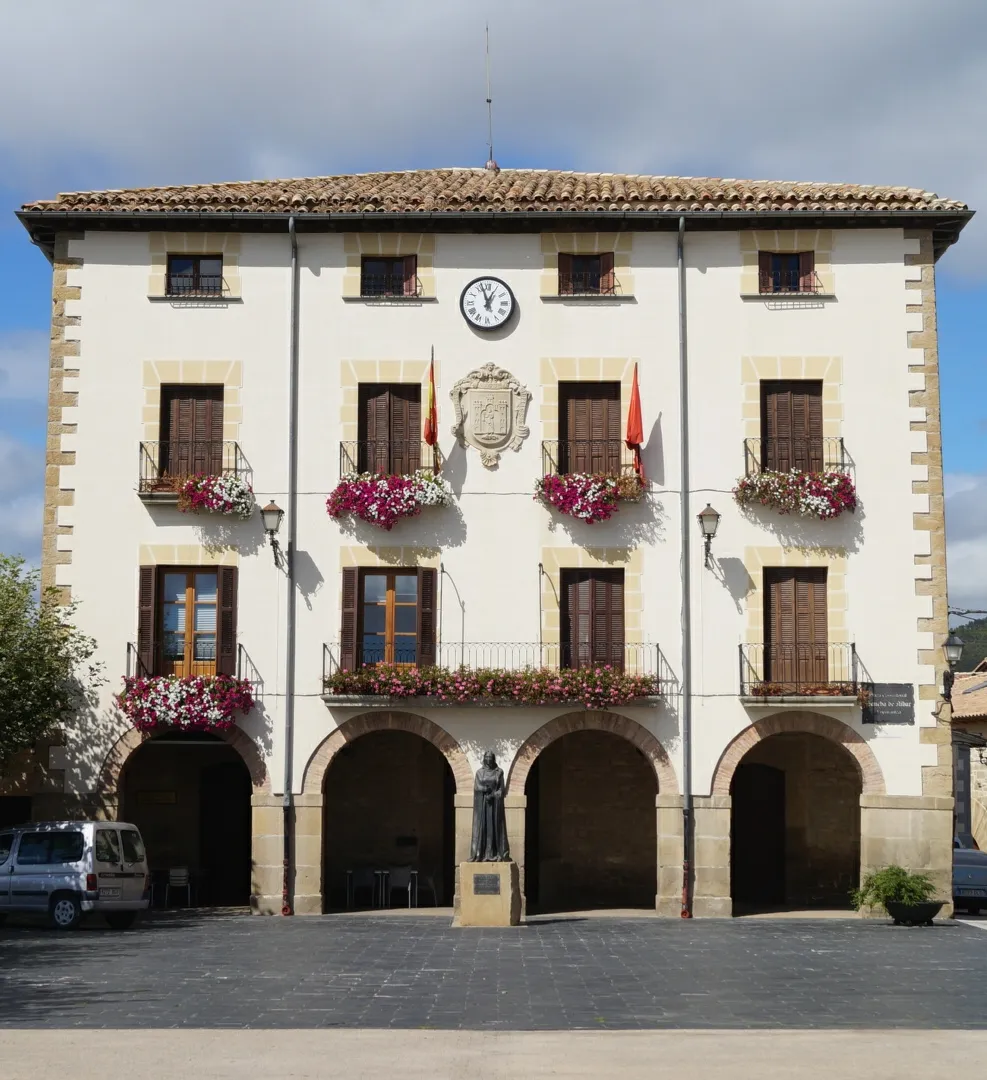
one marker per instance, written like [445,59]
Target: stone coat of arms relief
[490,409]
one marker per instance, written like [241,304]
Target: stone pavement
[418,973]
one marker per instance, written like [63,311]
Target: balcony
[197,286]
[786,675]
[597,457]
[390,287]
[500,674]
[803,455]
[789,282]
[387,457]
[589,283]
[165,465]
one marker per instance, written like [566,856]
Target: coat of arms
[490,408]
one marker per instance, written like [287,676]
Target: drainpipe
[686,589]
[289,702]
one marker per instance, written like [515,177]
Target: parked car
[969,876]
[65,869]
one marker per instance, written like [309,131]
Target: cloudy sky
[116,93]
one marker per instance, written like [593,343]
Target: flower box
[822,495]
[228,495]
[198,703]
[383,500]
[587,497]
[596,687]
[819,689]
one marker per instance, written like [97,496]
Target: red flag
[431,415]
[635,426]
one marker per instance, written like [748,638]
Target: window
[592,618]
[787,273]
[6,843]
[133,846]
[195,275]
[191,431]
[586,275]
[45,848]
[106,847]
[389,276]
[388,617]
[791,425]
[187,620]
[795,626]
[589,428]
[389,428]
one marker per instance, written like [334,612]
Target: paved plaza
[562,974]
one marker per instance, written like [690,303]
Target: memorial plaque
[890,703]
[486,885]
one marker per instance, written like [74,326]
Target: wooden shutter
[405,428]
[590,427]
[411,275]
[592,618]
[608,617]
[192,418]
[765,283]
[226,602]
[796,635]
[348,651]
[811,625]
[791,425]
[147,605]
[606,272]
[807,271]
[427,629]
[373,451]
[565,275]
[779,626]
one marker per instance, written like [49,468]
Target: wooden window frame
[607,640]
[604,274]
[351,631]
[770,281]
[215,286]
[404,269]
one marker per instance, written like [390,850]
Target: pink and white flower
[216,494]
[383,500]
[588,497]
[199,703]
[822,495]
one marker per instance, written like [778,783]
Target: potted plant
[906,897]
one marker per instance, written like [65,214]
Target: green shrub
[892,885]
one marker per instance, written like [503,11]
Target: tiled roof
[970,704]
[505,191]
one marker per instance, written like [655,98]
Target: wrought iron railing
[162,659]
[637,659]
[392,457]
[605,457]
[166,464]
[829,670]
[789,281]
[389,285]
[782,454]
[587,284]
[197,285]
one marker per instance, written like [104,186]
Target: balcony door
[592,618]
[791,425]
[388,617]
[390,428]
[589,427]
[191,430]
[796,636]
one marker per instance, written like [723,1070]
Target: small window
[389,276]
[195,275]
[133,846]
[6,843]
[586,275]
[107,846]
[781,272]
[46,848]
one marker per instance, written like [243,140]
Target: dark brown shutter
[405,428]
[192,429]
[606,272]
[147,603]
[589,415]
[411,275]
[807,271]
[779,626]
[608,617]
[791,425]
[426,616]
[811,625]
[764,281]
[374,428]
[592,618]
[348,624]
[565,275]
[226,644]
[795,626]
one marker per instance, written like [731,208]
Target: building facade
[677,730]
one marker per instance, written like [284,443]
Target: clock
[487,303]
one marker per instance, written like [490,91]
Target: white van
[67,868]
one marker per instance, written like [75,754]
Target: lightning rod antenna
[491,164]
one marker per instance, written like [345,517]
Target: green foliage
[974,635]
[892,885]
[46,671]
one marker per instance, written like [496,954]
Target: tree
[46,668]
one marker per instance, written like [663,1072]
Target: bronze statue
[489,822]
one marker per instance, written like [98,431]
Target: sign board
[486,884]
[890,703]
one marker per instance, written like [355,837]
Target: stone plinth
[490,894]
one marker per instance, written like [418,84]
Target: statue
[489,822]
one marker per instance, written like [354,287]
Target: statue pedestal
[490,894]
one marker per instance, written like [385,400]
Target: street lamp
[952,647]
[709,521]
[272,515]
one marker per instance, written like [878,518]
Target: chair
[179,878]
[399,878]
[429,885]
[363,877]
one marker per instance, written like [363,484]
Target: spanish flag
[431,415]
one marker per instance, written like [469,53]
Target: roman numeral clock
[487,303]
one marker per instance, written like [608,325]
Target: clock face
[486,303]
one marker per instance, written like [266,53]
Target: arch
[805,723]
[131,740]
[319,762]
[591,720]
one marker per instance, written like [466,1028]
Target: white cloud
[21,481]
[891,91]
[966,539]
[24,365]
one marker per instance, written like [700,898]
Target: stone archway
[800,722]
